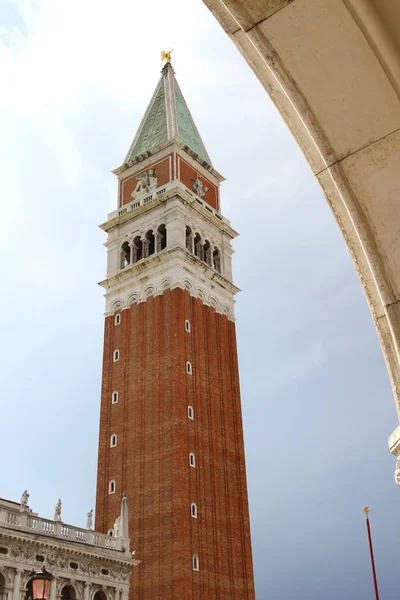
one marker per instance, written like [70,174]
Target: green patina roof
[154,130]
[187,131]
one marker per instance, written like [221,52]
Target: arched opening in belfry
[125,255]
[99,596]
[207,253]
[137,249]
[149,244]
[198,246]
[3,591]
[217,260]
[189,239]
[162,232]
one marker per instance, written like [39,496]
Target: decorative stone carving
[8,574]
[94,568]
[24,501]
[199,188]
[145,181]
[61,582]
[89,520]
[125,574]
[52,559]
[28,553]
[57,511]
[15,551]
[62,562]
[84,567]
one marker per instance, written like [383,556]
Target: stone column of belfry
[177,419]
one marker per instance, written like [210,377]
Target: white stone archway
[332,69]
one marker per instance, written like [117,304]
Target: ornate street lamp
[39,585]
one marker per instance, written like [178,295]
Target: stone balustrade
[147,196]
[30,522]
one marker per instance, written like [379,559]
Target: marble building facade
[86,565]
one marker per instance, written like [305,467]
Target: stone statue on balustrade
[117,527]
[57,511]
[89,520]
[24,501]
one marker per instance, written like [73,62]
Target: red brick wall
[155,436]
[163,176]
[188,174]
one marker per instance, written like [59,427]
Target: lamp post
[39,585]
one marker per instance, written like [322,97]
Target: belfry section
[170,424]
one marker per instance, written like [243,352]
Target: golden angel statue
[166,56]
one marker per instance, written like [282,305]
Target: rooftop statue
[57,511]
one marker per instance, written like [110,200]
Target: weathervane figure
[166,56]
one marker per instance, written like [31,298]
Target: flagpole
[366,510]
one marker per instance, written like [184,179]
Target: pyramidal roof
[167,118]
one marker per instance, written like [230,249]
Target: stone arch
[201,294]
[161,237]
[198,246]
[125,255]
[216,259]
[99,594]
[188,286]
[116,305]
[225,310]
[149,291]
[207,253]
[214,303]
[189,239]
[149,243]
[133,298]
[68,592]
[346,120]
[137,249]
[166,283]
[25,578]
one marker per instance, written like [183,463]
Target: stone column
[86,590]
[145,244]
[53,588]
[157,242]
[17,585]
[124,595]
[134,252]
[116,594]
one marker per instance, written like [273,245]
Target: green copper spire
[154,130]
[167,118]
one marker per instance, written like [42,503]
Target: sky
[317,404]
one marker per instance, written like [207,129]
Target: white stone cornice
[169,269]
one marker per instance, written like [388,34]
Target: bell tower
[170,423]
